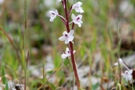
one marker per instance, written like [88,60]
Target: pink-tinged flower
[127,75]
[77,19]
[67,53]
[78,7]
[67,37]
[52,14]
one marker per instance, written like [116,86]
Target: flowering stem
[71,48]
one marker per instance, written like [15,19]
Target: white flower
[77,19]
[120,61]
[67,37]
[78,7]
[67,53]
[52,14]
[127,75]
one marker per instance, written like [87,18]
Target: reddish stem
[71,48]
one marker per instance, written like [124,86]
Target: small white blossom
[67,37]
[52,14]
[78,7]
[77,19]
[67,53]
[127,75]
[120,61]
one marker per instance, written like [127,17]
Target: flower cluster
[127,75]
[67,36]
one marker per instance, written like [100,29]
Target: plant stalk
[71,48]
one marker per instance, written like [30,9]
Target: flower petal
[120,61]
[79,25]
[71,32]
[63,56]
[79,3]
[80,16]
[81,10]
[70,38]
[62,38]
[74,51]
[56,12]
[66,41]
[73,16]
[67,50]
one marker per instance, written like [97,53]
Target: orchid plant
[68,35]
